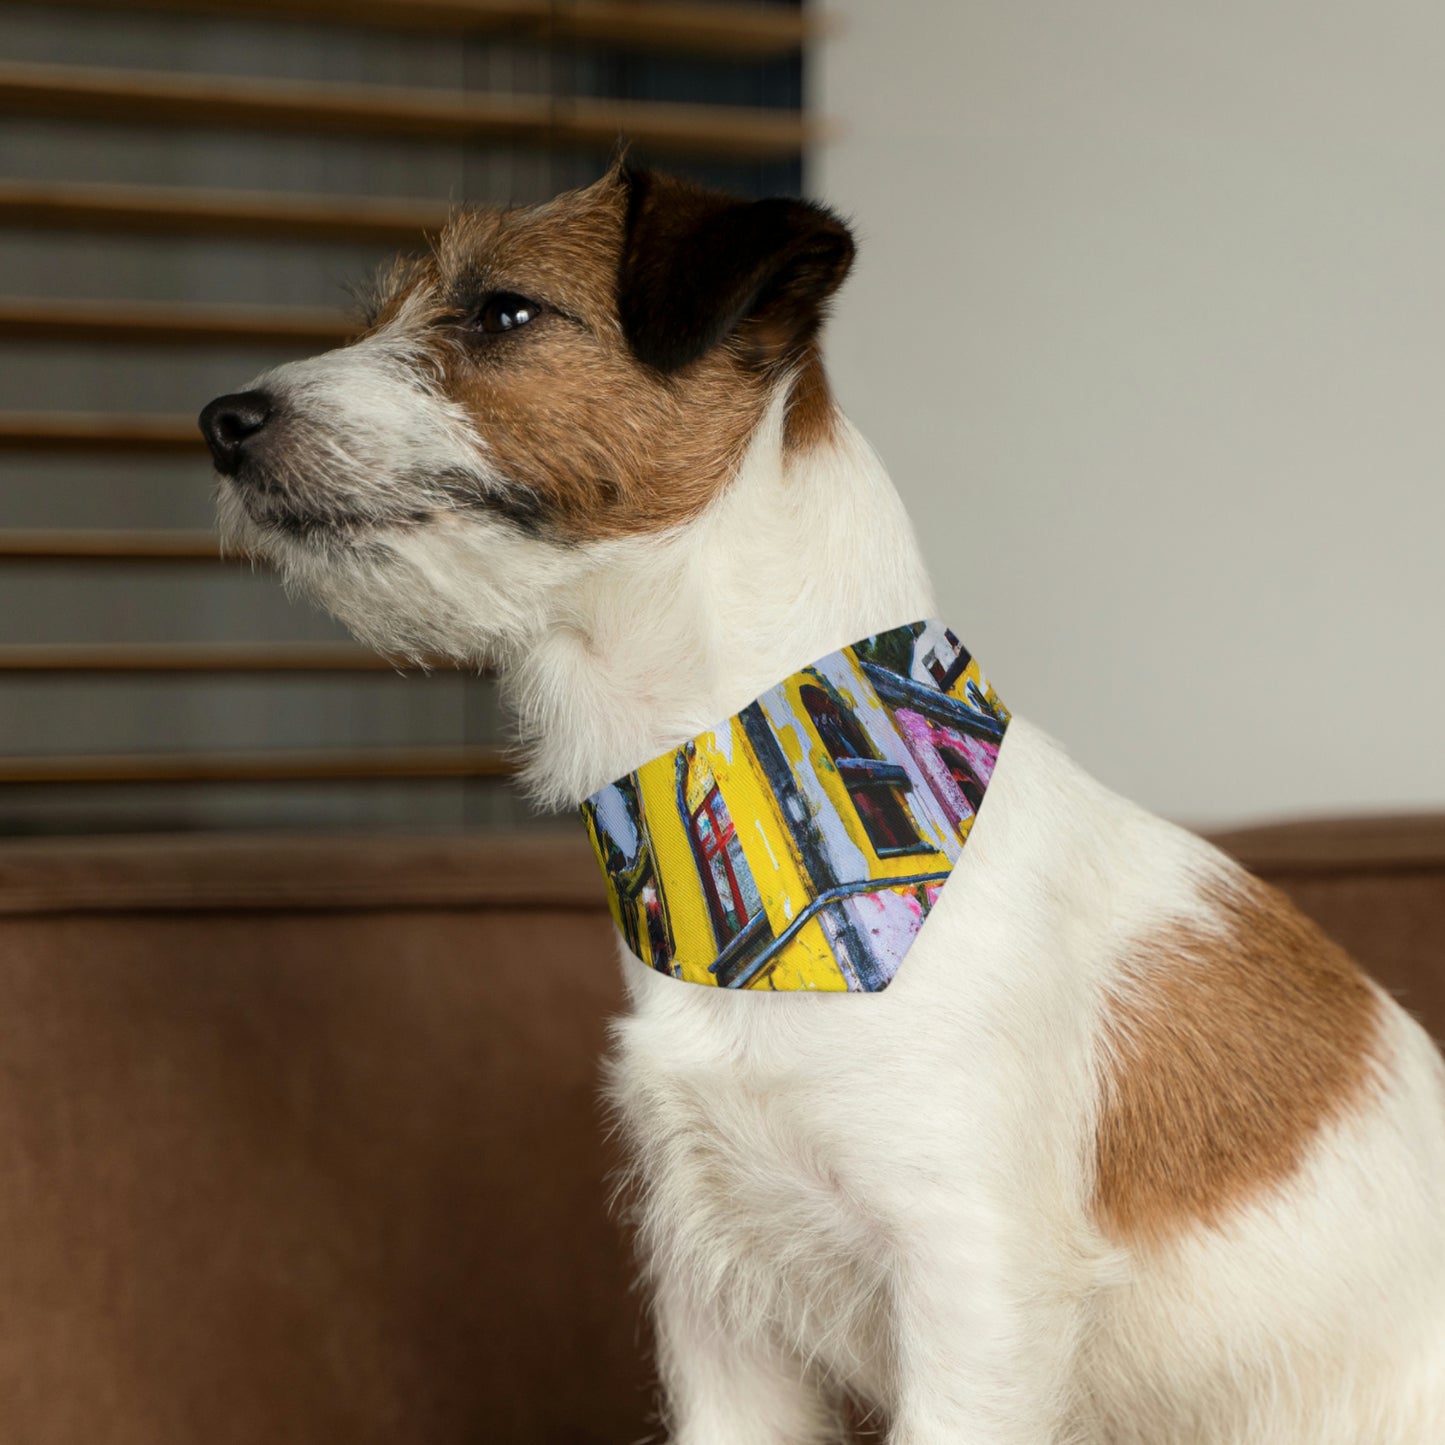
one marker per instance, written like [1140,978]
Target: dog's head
[547,381]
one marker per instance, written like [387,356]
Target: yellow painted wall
[767,846]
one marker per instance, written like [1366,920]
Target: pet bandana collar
[800,844]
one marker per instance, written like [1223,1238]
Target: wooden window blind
[187,189]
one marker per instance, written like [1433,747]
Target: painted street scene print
[800,845]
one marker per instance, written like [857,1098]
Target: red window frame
[721,831]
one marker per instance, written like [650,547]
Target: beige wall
[1149,324]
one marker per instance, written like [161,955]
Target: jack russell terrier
[1117,1149]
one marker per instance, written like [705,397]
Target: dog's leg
[986,1346]
[720,1389]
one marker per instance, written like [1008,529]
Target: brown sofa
[299,1139]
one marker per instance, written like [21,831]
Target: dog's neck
[664,637]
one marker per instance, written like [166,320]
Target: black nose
[229,422]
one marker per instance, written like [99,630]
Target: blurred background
[303,1006]
[1148,325]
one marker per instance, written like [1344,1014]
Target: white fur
[890,1194]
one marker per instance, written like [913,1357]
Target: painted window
[963,775]
[629,926]
[658,941]
[875,787]
[728,881]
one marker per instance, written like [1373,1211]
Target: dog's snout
[229,422]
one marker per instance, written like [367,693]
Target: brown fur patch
[1228,1053]
[599,443]
[812,412]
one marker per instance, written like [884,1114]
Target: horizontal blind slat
[205,657]
[315,107]
[110,546]
[171,323]
[320,765]
[98,431]
[721,29]
[197,212]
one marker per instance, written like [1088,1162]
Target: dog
[1127,1153]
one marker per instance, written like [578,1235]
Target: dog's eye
[505,311]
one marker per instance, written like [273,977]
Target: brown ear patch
[1226,1052]
[699,267]
[812,415]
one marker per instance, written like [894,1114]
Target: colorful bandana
[800,844]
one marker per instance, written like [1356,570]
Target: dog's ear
[699,267]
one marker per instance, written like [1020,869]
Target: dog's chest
[750,1184]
